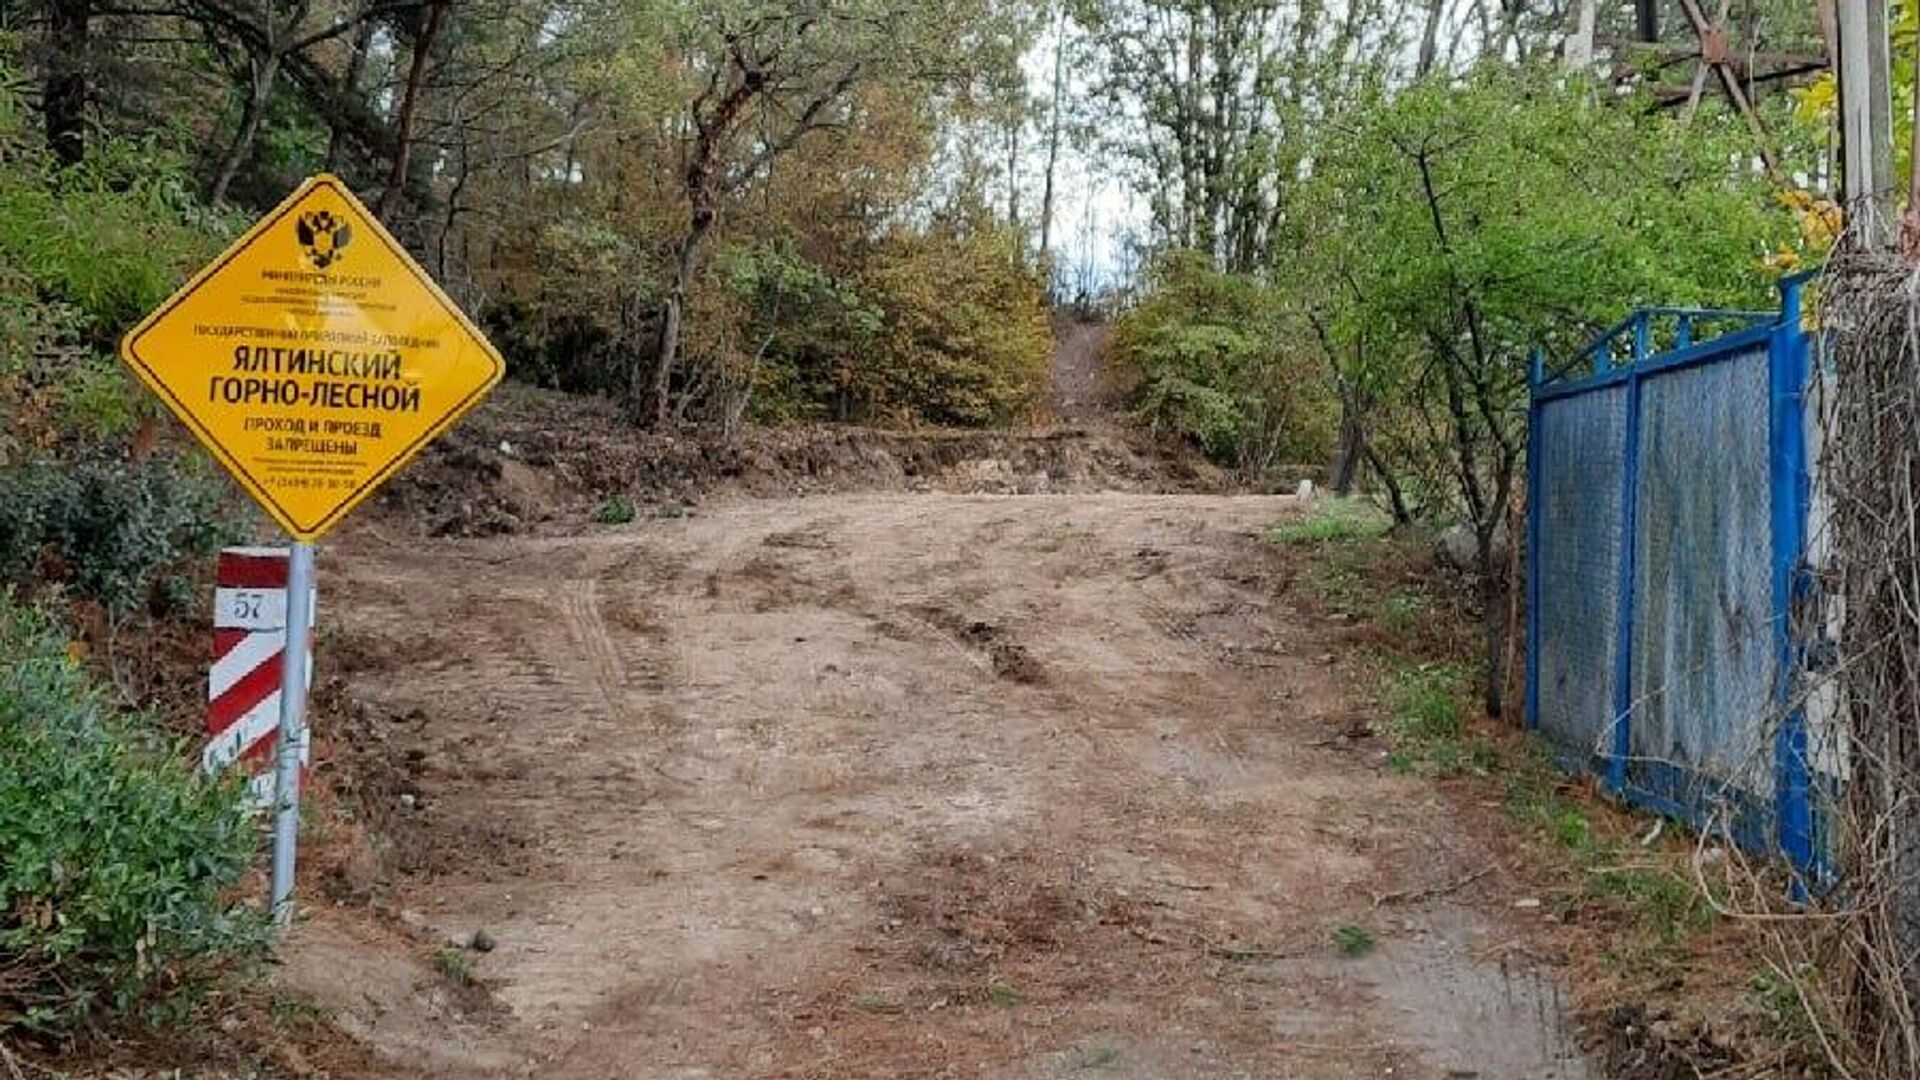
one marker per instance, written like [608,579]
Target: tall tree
[1215,97]
[424,36]
[1055,112]
[766,76]
[64,90]
[264,40]
[1477,220]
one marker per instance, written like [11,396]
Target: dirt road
[1078,381]
[900,786]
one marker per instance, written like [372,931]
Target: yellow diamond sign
[314,357]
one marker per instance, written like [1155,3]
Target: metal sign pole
[293,731]
[392,384]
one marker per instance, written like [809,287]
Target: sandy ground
[901,785]
[1078,386]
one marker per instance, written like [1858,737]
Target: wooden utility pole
[1866,120]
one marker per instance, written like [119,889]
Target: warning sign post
[313,358]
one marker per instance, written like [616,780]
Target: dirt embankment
[531,457]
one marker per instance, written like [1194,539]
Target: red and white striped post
[244,699]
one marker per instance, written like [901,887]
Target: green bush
[119,532]
[964,337]
[1429,729]
[117,858]
[798,332]
[1215,365]
[581,320]
[111,237]
[85,251]
[1425,700]
[615,510]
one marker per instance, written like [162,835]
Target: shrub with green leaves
[615,510]
[1215,366]
[124,533]
[117,859]
[84,251]
[111,237]
[963,336]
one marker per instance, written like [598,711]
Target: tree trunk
[1646,20]
[64,96]
[1345,469]
[350,87]
[259,93]
[1515,683]
[1430,38]
[1013,171]
[1053,139]
[409,108]
[1493,616]
[1910,220]
[671,313]
[742,397]
[460,176]
[1396,498]
[1580,45]
[661,388]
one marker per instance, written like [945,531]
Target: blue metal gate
[1666,523]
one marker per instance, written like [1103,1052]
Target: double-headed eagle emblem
[323,237]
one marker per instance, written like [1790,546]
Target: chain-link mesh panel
[1703,644]
[1582,445]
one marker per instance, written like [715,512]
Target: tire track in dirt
[580,604]
[1015,787]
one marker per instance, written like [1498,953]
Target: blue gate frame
[1612,375]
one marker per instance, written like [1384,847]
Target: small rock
[1304,492]
[407,800]
[412,917]
[482,941]
[1459,548]
[1527,903]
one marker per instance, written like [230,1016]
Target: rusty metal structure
[1740,74]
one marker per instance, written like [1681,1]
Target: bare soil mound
[530,456]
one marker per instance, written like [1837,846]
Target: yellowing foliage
[965,337]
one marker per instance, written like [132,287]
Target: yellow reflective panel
[314,357]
